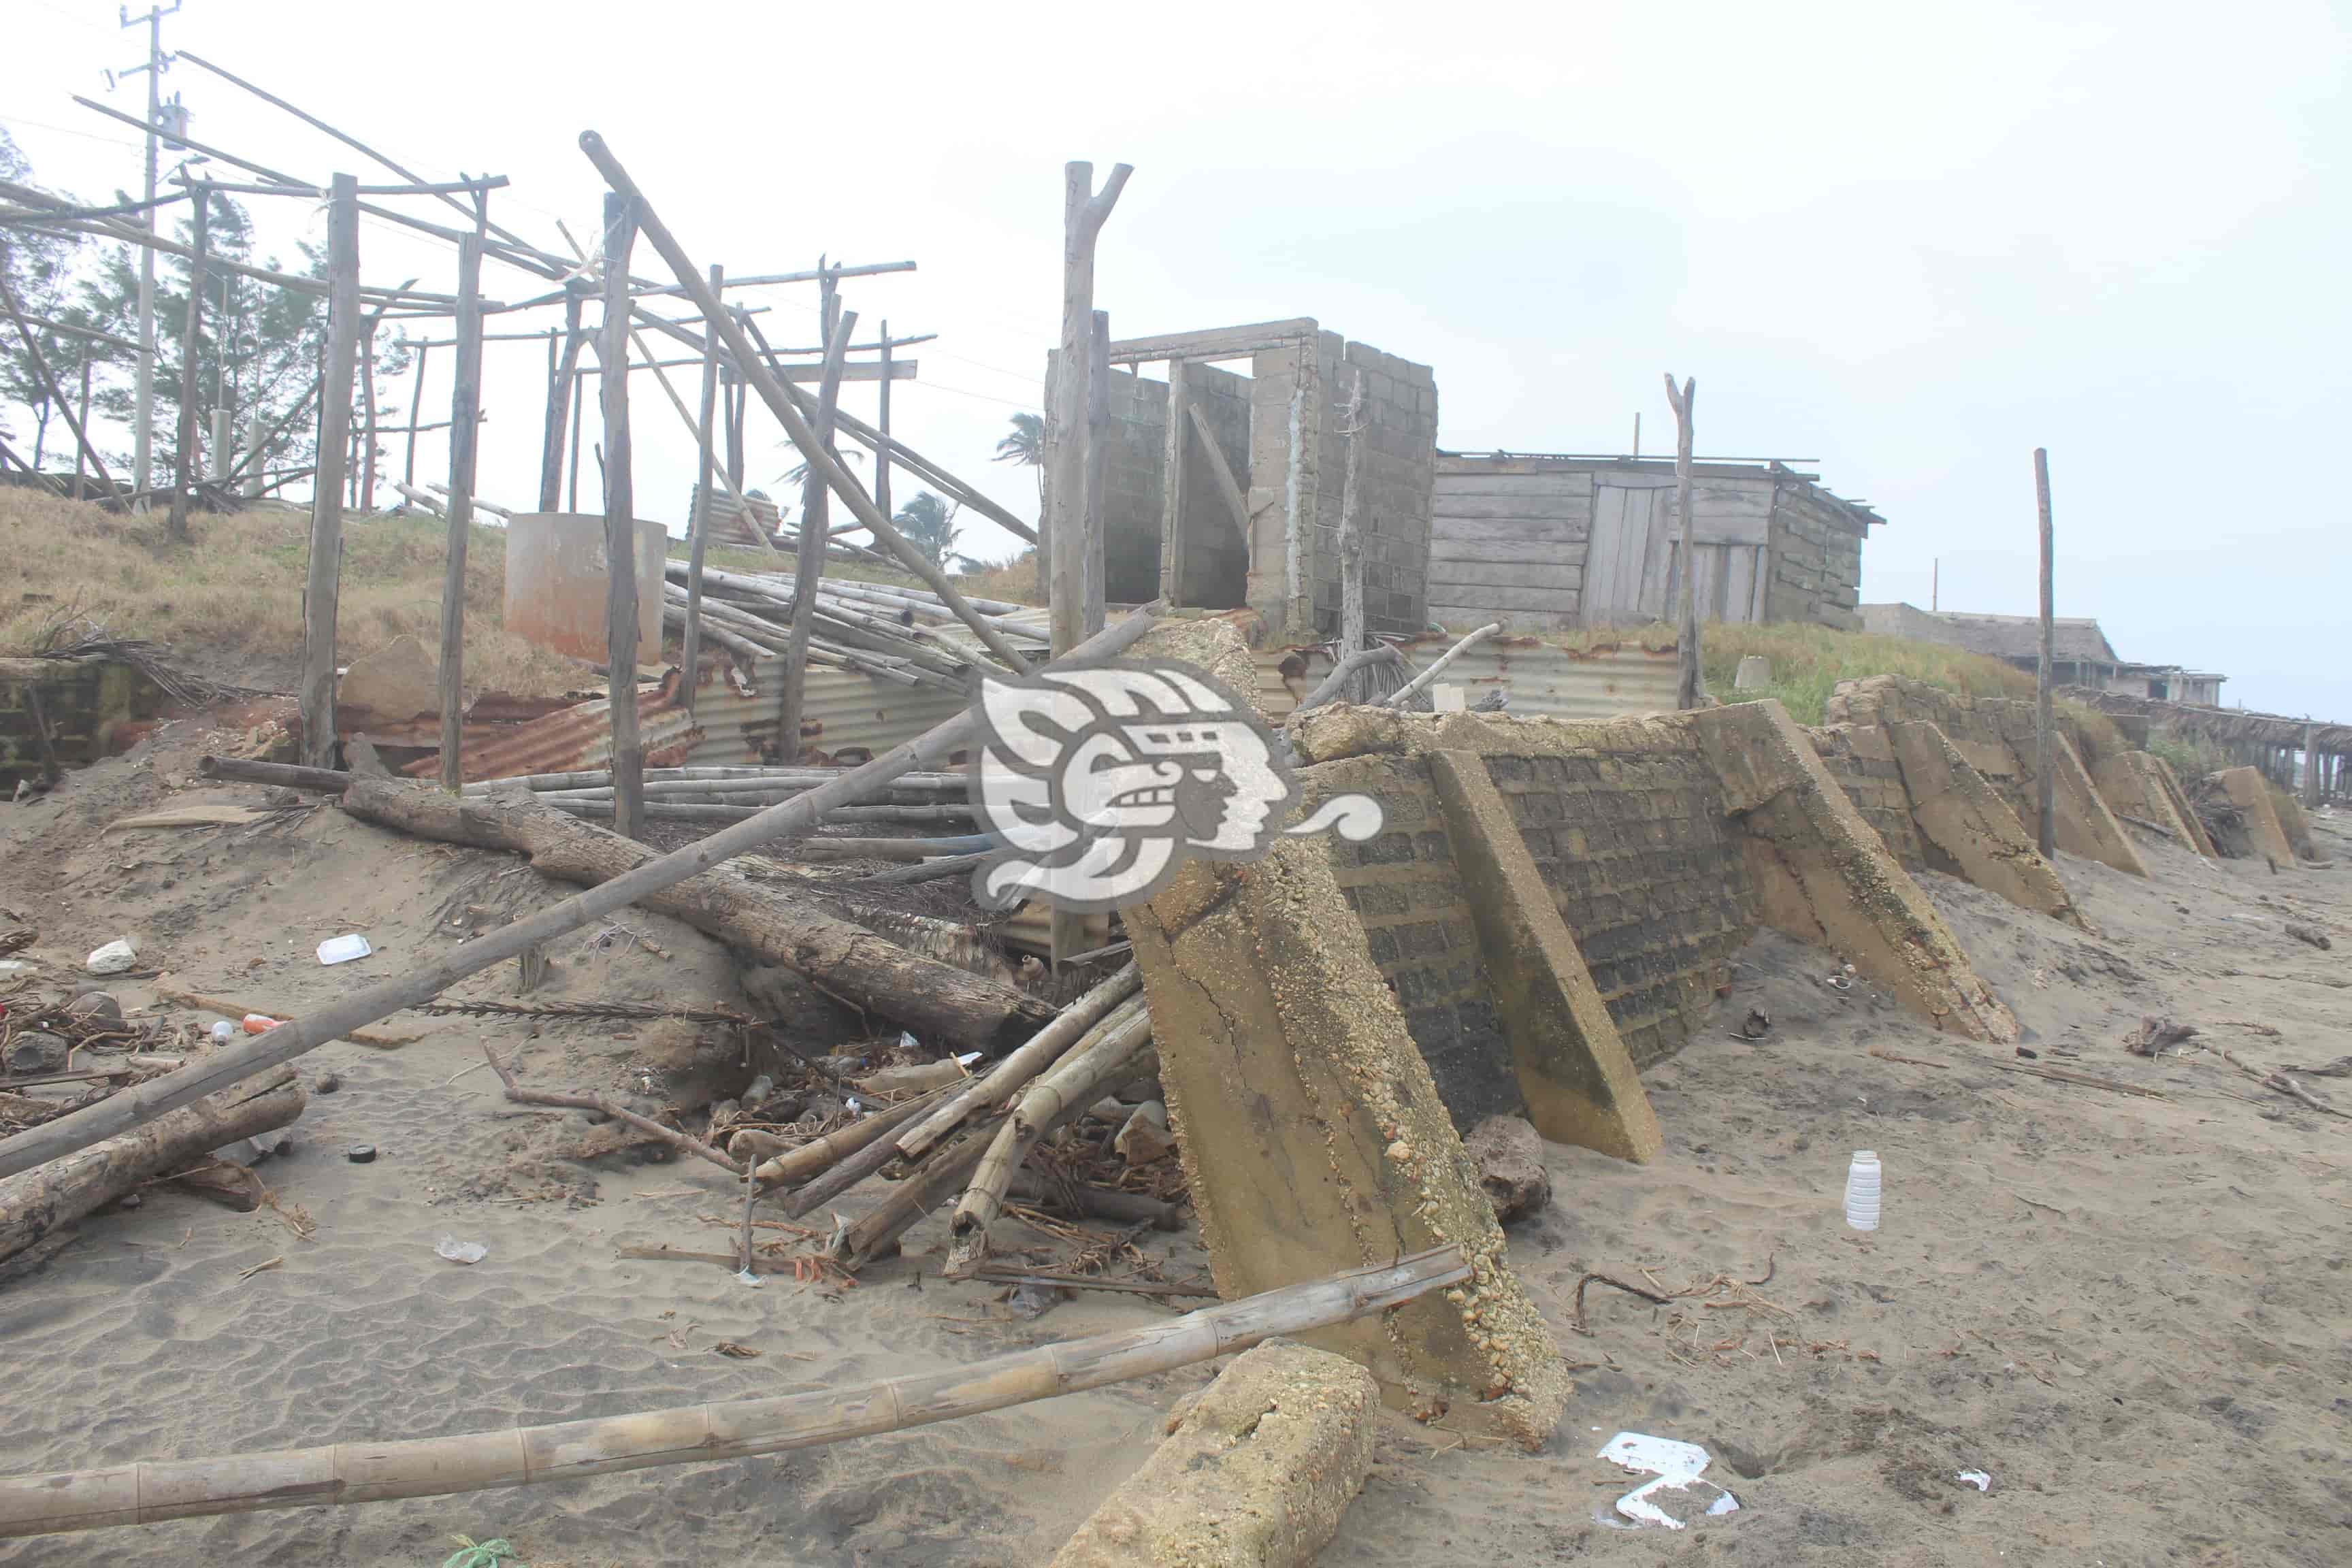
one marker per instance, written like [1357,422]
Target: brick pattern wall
[1648,873]
[1816,560]
[1400,425]
[1862,761]
[1996,735]
[1135,481]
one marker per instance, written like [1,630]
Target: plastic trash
[1648,1456]
[260,1022]
[114,958]
[1862,1179]
[1675,1468]
[1977,1478]
[457,1251]
[223,1032]
[344,948]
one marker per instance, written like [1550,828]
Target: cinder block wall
[85,701]
[1994,734]
[1400,477]
[1135,477]
[1626,823]
[1861,761]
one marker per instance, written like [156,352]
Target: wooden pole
[350,1010]
[1351,524]
[559,407]
[40,365]
[779,396]
[464,408]
[1040,1052]
[318,684]
[814,513]
[82,463]
[699,1434]
[416,401]
[621,526]
[572,502]
[882,422]
[2045,774]
[184,465]
[1403,695]
[1084,210]
[736,403]
[368,434]
[1690,686]
[1171,488]
[2311,764]
[697,526]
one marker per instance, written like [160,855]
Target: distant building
[2080,651]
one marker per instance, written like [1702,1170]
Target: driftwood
[1341,673]
[1402,698]
[928,1186]
[597,1103]
[863,969]
[1015,1071]
[819,1154]
[39,1202]
[2280,1083]
[699,1434]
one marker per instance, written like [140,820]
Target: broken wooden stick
[1403,695]
[645,1124]
[144,1102]
[239,1009]
[2279,1083]
[699,1434]
[1042,1051]
[1336,681]
[36,1203]
[818,1155]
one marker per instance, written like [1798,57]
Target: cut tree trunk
[866,970]
[39,1201]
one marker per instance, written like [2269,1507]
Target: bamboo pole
[321,585]
[698,525]
[740,1429]
[183,464]
[775,394]
[1040,1052]
[1068,1089]
[1412,689]
[813,513]
[1690,689]
[819,1154]
[621,526]
[465,407]
[143,1102]
[2045,774]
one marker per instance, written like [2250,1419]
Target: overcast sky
[1910,242]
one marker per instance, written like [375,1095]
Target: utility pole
[158,62]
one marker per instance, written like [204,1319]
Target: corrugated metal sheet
[579,737]
[1540,676]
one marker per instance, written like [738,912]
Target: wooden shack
[1545,544]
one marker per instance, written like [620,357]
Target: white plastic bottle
[1862,1190]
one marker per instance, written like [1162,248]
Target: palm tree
[1026,447]
[929,526]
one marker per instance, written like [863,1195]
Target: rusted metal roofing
[579,737]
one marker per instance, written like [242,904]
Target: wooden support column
[815,524]
[882,422]
[183,466]
[465,410]
[560,405]
[1690,688]
[697,526]
[1351,529]
[416,403]
[736,403]
[1172,489]
[367,443]
[1083,209]
[319,589]
[621,526]
[2045,773]
[1097,463]
[2311,764]
[82,462]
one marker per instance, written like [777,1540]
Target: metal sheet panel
[1541,676]
[579,737]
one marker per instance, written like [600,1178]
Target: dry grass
[1808,661]
[1016,582]
[229,604]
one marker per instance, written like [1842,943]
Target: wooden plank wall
[1507,539]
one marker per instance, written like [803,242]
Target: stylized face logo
[1100,781]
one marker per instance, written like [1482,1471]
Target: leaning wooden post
[79,423]
[1098,465]
[882,422]
[621,526]
[815,524]
[1690,689]
[1172,489]
[2045,775]
[415,402]
[559,407]
[319,589]
[698,525]
[184,465]
[465,410]
[1083,209]
[367,394]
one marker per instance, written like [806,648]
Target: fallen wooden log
[617,1113]
[36,1202]
[144,1102]
[863,969]
[820,1155]
[699,1434]
[922,871]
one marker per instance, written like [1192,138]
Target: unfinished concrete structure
[1223,490]
[1543,543]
